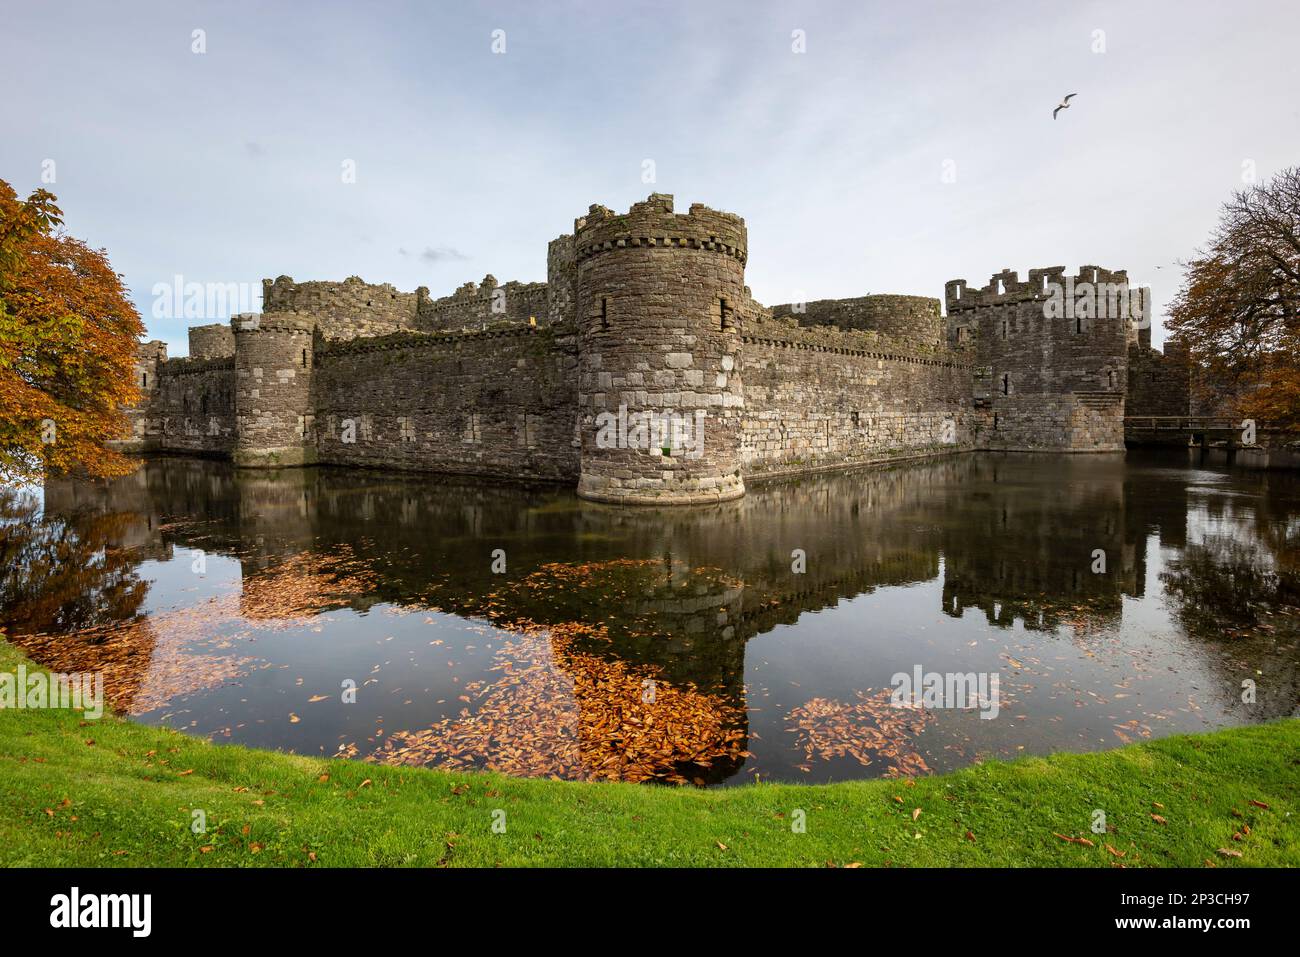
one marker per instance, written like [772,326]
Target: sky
[906,144]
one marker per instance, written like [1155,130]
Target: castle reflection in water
[1016,537]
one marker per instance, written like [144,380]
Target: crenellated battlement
[652,223]
[1006,287]
[344,310]
[786,332]
[475,305]
[1051,354]
[189,365]
[155,350]
[283,294]
[261,322]
[645,316]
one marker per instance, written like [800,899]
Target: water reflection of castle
[1009,537]
[1008,545]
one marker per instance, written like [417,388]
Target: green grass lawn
[114,793]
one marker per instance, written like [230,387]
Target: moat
[424,620]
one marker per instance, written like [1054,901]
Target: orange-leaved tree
[1239,307]
[68,337]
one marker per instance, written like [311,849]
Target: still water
[417,620]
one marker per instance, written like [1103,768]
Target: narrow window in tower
[144,380]
[1110,380]
[304,358]
[1006,327]
[1002,288]
[724,314]
[604,313]
[1006,383]
[995,421]
[1078,325]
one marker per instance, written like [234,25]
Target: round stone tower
[659,296]
[274,359]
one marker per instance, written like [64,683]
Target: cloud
[255,149]
[441,254]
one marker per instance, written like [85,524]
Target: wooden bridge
[1202,430]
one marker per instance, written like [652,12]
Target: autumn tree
[68,339]
[1239,308]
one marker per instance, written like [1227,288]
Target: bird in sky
[1065,104]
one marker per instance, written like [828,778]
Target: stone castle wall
[907,318]
[819,397]
[500,402]
[190,408]
[646,314]
[1048,381]
[1040,423]
[216,341]
[352,309]
[1159,383]
[478,305]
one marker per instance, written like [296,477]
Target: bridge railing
[1183,423]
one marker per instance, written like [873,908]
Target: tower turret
[660,397]
[274,361]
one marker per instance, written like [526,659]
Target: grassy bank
[114,793]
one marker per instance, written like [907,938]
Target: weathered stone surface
[274,373]
[1045,382]
[216,341]
[657,294]
[647,313]
[1158,383]
[500,402]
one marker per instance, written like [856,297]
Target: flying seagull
[1065,104]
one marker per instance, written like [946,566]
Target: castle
[644,372]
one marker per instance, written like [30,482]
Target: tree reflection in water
[976,562]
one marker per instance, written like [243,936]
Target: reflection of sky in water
[971,564]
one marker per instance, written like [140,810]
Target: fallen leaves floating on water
[297,589]
[570,713]
[869,729]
